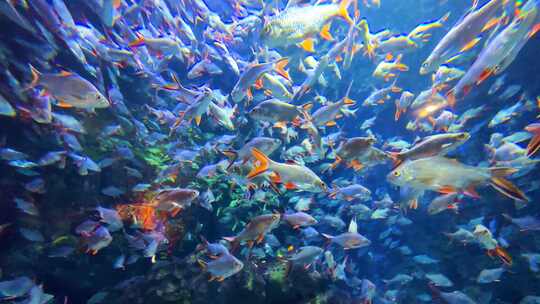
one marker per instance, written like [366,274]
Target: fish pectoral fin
[491,23]
[276,179]
[290,186]
[65,74]
[470,45]
[356,165]
[307,45]
[325,32]
[63,104]
[198,120]
[485,75]
[259,83]
[331,123]
[447,189]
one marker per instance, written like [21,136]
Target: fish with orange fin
[350,239]
[388,69]
[248,78]
[463,36]
[379,96]
[195,110]
[403,103]
[359,153]
[350,193]
[316,73]
[279,113]
[484,237]
[534,144]
[97,240]
[70,89]
[421,32]
[445,175]
[265,144]
[162,46]
[327,114]
[299,219]
[222,268]
[174,200]
[292,175]
[498,53]
[255,230]
[298,24]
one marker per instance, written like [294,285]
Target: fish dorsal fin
[353,227]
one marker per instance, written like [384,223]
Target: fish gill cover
[250,151]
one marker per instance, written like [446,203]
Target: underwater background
[244,151]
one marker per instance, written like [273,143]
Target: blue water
[122,214]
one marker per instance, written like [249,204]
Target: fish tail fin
[35,77]
[504,186]
[280,67]
[232,155]
[502,254]
[139,41]
[343,10]
[261,165]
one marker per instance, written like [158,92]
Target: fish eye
[396,173]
